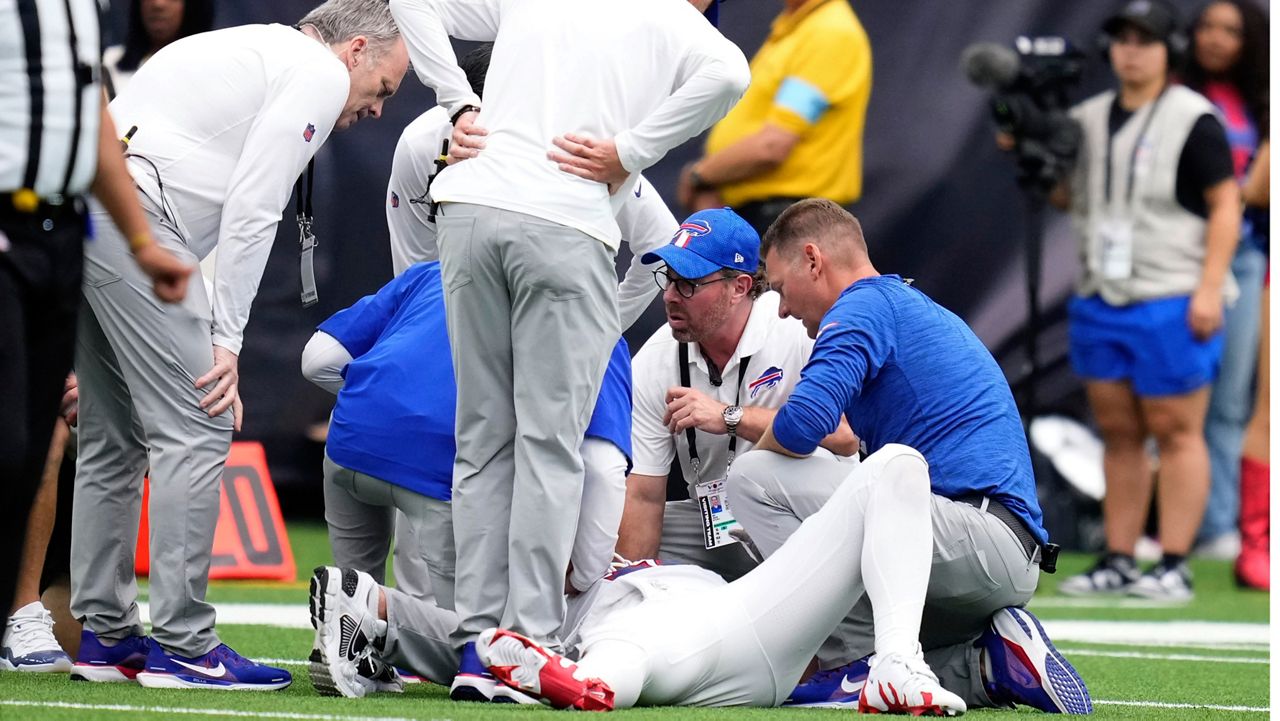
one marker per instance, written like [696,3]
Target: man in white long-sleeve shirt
[225,122]
[527,255]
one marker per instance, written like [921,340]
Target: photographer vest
[1137,242]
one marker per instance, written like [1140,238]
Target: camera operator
[1156,207]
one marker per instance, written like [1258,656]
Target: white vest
[1168,246]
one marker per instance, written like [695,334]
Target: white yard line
[1073,652]
[181,710]
[281,615]
[1160,633]
[196,711]
[1204,706]
[1093,602]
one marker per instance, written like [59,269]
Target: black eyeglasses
[685,287]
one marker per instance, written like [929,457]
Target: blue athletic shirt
[903,369]
[394,419]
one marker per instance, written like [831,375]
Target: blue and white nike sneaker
[838,687]
[221,669]
[29,644]
[117,663]
[1023,667]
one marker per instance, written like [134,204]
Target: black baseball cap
[1150,16]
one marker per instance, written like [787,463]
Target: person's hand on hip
[225,377]
[468,138]
[589,158]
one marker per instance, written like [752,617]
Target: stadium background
[940,204]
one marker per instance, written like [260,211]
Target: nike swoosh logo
[216,672]
[638,186]
[850,687]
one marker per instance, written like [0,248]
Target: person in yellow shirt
[797,132]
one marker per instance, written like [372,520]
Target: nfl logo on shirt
[395,200]
[309,133]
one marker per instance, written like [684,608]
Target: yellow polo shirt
[812,77]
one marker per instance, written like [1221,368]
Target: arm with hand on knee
[604,494]
[323,361]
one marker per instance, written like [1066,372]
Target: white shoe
[1164,582]
[1147,549]
[1224,547]
[29,644]
[1110,576]
[344,609]
[906,685]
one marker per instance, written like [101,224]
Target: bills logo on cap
[767,380]
[395,200]
[688,230]
[309,133]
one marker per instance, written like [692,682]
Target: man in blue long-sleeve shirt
[952,535]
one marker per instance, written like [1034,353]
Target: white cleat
[899,684]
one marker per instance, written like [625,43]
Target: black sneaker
[1113,574]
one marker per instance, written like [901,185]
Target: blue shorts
[1148,344]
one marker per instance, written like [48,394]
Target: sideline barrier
[250,541]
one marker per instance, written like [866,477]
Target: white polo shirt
[229,120]
[413,236]
[777,349]
[650,74]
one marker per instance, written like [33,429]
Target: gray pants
[419,637]
[137,360]
[360,511]
[532,313]
[978,567]
[682,541]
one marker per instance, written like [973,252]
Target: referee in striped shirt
[57,143]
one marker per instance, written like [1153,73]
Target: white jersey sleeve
[303,104]
[713,75]
[413,235]
[652,445]
[426,26]
[323,361]
[647,224]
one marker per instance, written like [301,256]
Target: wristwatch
[698,182]
[732,417]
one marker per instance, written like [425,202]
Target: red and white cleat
[522,664]
[906,685]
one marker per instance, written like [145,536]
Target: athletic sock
[897,552]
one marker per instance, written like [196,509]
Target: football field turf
[1205,660]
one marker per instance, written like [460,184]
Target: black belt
[25,204]
[1046,556]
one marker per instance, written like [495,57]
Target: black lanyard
[1133,155]
[303,189]
[441,162]
[690,436]
[306,239]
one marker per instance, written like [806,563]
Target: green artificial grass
[1156,678]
